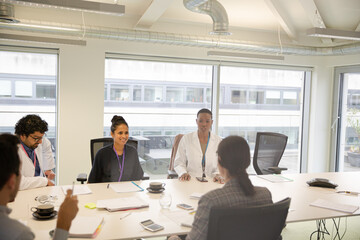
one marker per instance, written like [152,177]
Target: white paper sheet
[78,189]
[334,206]
[118,204]
[125,187]
[275,178]
[181,217]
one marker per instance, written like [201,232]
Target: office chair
[263,222]
[95,145]
[269,148]
[171,172]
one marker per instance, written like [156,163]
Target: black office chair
[263,222]
[269,148]
[95,145]
[171,172]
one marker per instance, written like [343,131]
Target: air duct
[7,13]
[81,32]
[215,10]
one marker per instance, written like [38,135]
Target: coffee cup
[43,209]
[156,185]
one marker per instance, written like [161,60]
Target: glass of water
[165,200]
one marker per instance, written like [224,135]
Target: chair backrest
[97,143]
[269,148]
[174,150]
[263,222]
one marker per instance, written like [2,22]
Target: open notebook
[119,204]
[85,227]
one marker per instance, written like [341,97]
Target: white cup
[165,200]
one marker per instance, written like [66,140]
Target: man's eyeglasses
[38,139]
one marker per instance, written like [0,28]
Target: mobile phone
[201,179]
[151,226]
[185,206]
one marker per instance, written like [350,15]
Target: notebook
[86,227]
[119,204]
[334,206]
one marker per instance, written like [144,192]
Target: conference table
[122,225]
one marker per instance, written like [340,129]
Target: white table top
[129,227]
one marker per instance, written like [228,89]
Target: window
[256,103]
[28,86]
[347,154]
[119,93]
[45,90]
[165,99]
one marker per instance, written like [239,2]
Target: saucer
[155,191]
[40,217]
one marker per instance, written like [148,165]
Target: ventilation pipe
[81,32]
[7,13]
[215,10]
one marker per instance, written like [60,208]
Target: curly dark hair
[29,124]
[116,121]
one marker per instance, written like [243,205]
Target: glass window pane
[119,93]
[170,93]
[23,89]
[174,94]
[272,97]
[45,90]
[290,98]
[5,88]
[105,92]
[256,87]
[349,150]
[194,94]
[153,94]
[28,80]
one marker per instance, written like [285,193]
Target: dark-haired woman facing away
[119,161]
[238,191]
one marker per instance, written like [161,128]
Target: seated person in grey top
[238,191]
[10,177]
[119,161]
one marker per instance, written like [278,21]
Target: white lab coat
[46,161]
[189,156]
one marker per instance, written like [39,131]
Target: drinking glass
[165,200]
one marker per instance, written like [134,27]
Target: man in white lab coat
[35,153]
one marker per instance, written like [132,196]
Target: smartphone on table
[151,226]
[185,206]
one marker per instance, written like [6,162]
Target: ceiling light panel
[79,5]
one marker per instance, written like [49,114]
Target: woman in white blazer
[196,155]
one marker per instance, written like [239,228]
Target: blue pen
[137,186]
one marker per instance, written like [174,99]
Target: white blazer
[189,156]
[46,162]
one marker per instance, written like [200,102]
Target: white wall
[81,89]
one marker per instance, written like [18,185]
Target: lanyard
[203,160]
[121,168]
[29,156]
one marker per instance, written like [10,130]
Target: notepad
[334,206]
[196,195]
[275,178]
[86,227]
[78,189]
[180,217]
[125,187]
[119,204]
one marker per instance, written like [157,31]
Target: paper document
[118,204]
[125,187]
[196,195]
[181,217]
[78,189]
[86,227]
[275,178]
[334,206]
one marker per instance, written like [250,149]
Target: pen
[128,214]
[108,185]
[72,192]
[348,192]
[141,189]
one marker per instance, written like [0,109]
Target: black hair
[116,121]
[9,158]
[234,155]
[30,124]
[204,110]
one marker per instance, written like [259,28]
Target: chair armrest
[277,170]
[172,174]
[145,176]
[82,177]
